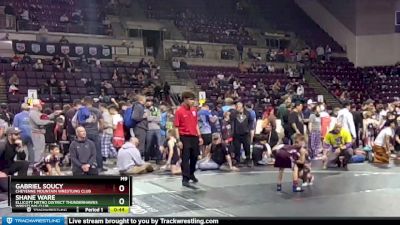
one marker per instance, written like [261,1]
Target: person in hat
[337,147]
[38,123]
[218,156]
[11,148]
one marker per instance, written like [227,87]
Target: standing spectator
[10,16]
[38,122]
[242,125]
[153,138]
[166,90]
[204,115]
[129,161]
[296,121]
[345,117]
[92,126]
[140,119]
[186,121]
[69,115]
[314,127]
[107,132]
[320,53]
[239,48]
[83,154]
[21,121]
[12,148]
[43,33]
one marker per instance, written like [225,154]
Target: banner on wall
[73,50]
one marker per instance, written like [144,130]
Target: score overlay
[70,194]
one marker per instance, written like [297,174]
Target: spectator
[15,61]
[107,148]
[5,115]
[296,121]
[92,123]
[199,51]
[239,48]
[140,118]
[242,124]
[11,148]
[26,59]
[218,156]
[14,83]
[10,15]
[38,122]
[383,142]
[22,122]
[320,53]
[153,138]
[83,154]
[43,33]
[38,66]
[56,61]
[25,15]
[345,118]
[129,161]
[176,65]
[51,163]
[64,40]
[67,64]
[337,147]
[166,90]
[314,127]
[64,19]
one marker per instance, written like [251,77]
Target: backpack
[118,136]
[83,114]
[127,117]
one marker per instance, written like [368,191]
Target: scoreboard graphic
[106,194]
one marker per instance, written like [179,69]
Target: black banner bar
[73,50]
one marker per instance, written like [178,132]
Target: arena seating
[48,13]
[29,79]
[211,21]
[203,75]
[286,15]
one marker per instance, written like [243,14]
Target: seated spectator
[64,18]
[12,148]
[217,157]
[26,59]
[250,54]
[176,65]
[253,68]
[199,51]
[67,64]
[183,65]
[76,16]
[262,151]
[38,66]
[383,141]
[15,60]
[64,40]
[173,151]
[50,165]
[338,147]
[63,89]
[56,61]
[25,15]
[52,81]
[104,97]
[129,160]
[213,83]
[14,80]
[108,87]
[242,67]
[115,76]
[98,63]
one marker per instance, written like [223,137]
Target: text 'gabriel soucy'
[39,186]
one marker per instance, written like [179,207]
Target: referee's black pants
[189,155]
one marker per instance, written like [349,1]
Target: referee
[189,134]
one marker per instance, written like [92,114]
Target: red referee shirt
[186,121]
